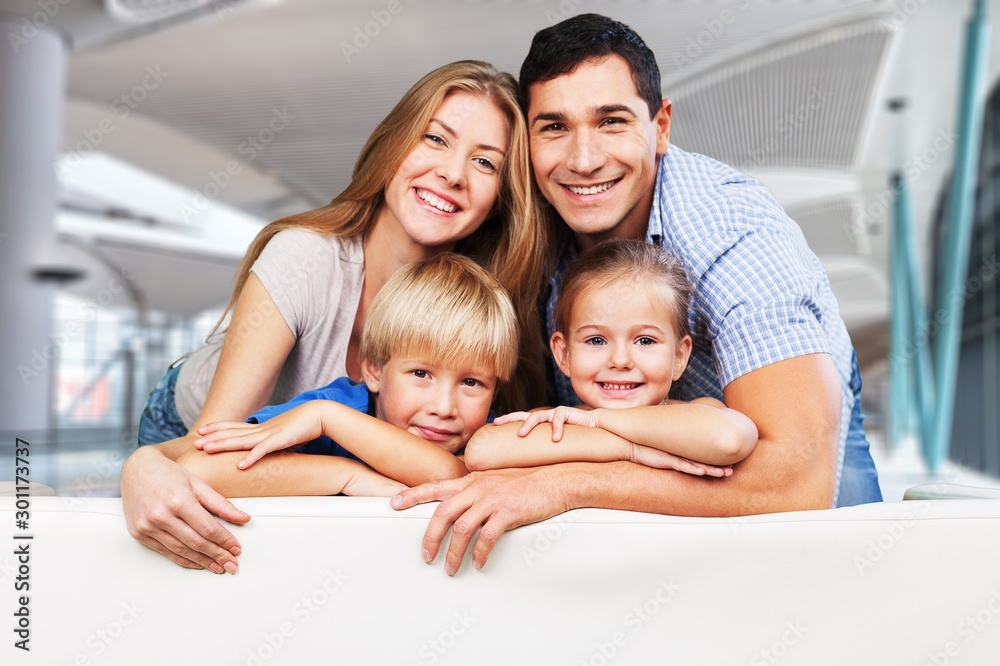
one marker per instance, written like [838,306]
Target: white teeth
[618,387]
[593,189]
[437,202]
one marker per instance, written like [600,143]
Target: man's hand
[170,511]
[496,501]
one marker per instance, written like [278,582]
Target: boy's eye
[469,381]
[419,373]
[595,341]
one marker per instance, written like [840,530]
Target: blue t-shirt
[342,390]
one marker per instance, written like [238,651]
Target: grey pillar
[32,81]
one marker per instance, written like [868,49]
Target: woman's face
[447,185]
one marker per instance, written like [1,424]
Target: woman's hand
[650,457]
[296,426]
[558,417]
[170,511]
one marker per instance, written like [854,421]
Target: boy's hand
[650,457]
[296,426]
[558,417]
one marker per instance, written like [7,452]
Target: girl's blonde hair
[449,311]
[511,243]
[629,262]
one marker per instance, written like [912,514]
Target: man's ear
[681,356]
[372,374]
[662,121]
[560,351]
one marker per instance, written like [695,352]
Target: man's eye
[553,127]
[614,121]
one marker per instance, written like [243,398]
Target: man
[768,337]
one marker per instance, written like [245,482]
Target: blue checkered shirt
[760,294]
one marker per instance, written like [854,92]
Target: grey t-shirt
[315,281]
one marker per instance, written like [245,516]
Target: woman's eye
[434,138]
[486,164]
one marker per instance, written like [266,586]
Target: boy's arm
[386,448]
[704,429]
[289,474]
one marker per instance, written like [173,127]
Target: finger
[429,492]
[490,533]
[224,425]
[445,516]
[557,426]
[232,441]
[169,546]
[530,422]
[256,453]
[510,418]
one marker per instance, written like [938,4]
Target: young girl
[622,339]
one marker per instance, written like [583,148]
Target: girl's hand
[557,417]
[296,426]
[650,457]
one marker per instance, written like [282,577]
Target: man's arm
[795,405]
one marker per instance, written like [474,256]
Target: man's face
[594,149]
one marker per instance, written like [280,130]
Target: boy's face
[440,404]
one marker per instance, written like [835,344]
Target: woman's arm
[165,507]
[389,450]
[284,473]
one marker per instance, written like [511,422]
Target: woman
[447,169]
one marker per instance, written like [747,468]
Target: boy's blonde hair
[447,309]
[631,262]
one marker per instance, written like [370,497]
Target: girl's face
[621,349]
[448,184]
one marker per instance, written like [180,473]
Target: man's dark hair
[559,49]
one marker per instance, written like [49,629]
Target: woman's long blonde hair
[511,243]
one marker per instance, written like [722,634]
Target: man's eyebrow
[481,146]
[609,109]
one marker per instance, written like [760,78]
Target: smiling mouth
[617,386]
[592,189]
[436,201]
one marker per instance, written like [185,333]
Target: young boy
[438,339]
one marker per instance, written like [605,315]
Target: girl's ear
[372,374]
[681,356]
[560,351]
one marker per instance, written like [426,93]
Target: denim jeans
[160,421]
[859,478]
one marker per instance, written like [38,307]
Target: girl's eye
[644,341]
[596,341]
[420,374]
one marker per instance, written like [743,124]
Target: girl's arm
[389,450]
[667,436]
[284,473]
